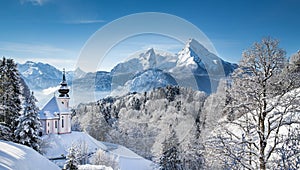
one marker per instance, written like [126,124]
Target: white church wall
[65,124]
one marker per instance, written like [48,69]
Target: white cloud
[50,90]
[21,52]
[34,2]
[85,21]
[30,48]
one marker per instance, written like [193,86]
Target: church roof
[52,109]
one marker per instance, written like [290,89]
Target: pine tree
[170,158]
[10,103]
[29,124]
[72,158]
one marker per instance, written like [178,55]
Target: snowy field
[19,157]
[57,145]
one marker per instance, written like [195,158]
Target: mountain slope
[150,79]
[39,75]
[194,66]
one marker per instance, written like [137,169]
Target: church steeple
[63,90]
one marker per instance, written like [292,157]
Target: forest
[250,122]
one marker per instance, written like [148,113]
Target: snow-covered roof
[52,109]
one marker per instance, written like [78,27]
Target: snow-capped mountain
[146,60]
[39,75]
[194,66]
[195,57]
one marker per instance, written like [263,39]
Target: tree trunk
[262,161]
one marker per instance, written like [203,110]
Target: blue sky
[55,31]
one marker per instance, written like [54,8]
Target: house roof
[52,109]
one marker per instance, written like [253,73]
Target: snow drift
[19,157]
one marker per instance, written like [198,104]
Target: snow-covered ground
[93,167]
[57,145]
[19,157]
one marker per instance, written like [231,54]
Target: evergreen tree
[170,158]
[72,158]
[10,103]
[29,124]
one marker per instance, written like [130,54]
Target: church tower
[63,91]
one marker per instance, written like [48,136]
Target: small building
[55,116]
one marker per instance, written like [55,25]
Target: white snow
[93,167]
[19,157]
[57,145]
[194,53]
[31,71]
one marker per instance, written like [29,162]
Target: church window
[62,122]
[48,124]
[55,124]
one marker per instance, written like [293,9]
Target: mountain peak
[150,51]
[148,59]
[195,46]
[30,63]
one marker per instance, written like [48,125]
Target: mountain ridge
[194,66]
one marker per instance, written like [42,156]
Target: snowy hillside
[19,157]
[57,145]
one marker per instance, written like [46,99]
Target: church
[55,116]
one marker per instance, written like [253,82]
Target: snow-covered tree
[192,149]
[73,157]
[295,61]
[260,105]
[294,69]
[170,158]
[139,120]
[94,123]
[105,158]
[289,151]
[29,124]
[10,103]
[5,133]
